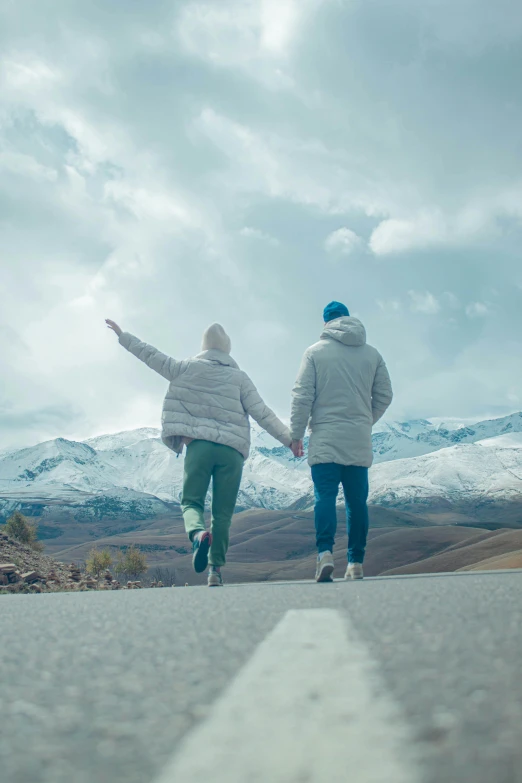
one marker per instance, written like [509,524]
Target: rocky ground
[23,570]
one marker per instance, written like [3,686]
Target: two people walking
[342,389]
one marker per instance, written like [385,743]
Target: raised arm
[159,362]
[382,393]
[265,417]
[303,397]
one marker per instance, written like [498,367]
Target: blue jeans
[326,478]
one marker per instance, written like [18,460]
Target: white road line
[308,707]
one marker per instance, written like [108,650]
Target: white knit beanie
[215,338]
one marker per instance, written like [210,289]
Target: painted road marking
[308,707]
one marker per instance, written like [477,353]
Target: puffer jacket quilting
[209,398]
[342,389]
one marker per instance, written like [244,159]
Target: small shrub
[98,561]
[131,562]
[19,528]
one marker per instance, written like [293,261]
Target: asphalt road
[99,687]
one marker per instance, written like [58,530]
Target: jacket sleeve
[382,393]
[303,397]
[265,417]
[156,360]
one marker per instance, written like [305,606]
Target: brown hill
[272,545]
[510,560]
[479,512]
[255,535]
[399,548]
[502,542]
[280,544]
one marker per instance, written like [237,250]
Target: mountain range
[131,475]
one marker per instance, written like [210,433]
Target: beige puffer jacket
[209,398]
[342,389]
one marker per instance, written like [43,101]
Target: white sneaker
[325,567]
[354,571]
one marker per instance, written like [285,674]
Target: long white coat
[209,398]
[342,389]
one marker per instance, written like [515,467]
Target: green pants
[224,465]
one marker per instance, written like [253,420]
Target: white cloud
[435,227]
[254,35]
[344,241]
[424,302]
[225,35]
[275,165]
[279,19]
[256,233]
[28,73]
[396,236]
[145,203]
[451,300]
[25,166]
[389,305]
[477,310]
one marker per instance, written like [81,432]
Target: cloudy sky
[168,164]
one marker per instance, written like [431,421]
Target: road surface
[392,679]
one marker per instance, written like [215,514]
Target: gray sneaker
[354,571]
[325,567]
[214,577]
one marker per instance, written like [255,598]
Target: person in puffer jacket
[206,410]
[342,389]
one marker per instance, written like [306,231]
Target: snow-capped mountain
[133,475]
[487,470]
[397,440]
[136,474]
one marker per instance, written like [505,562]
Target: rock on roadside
[22,570]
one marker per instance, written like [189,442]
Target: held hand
[296,448]
[114,326]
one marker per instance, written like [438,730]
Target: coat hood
[347,330]
[218,357]
[215,338]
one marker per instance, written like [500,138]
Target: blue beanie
[334,310]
